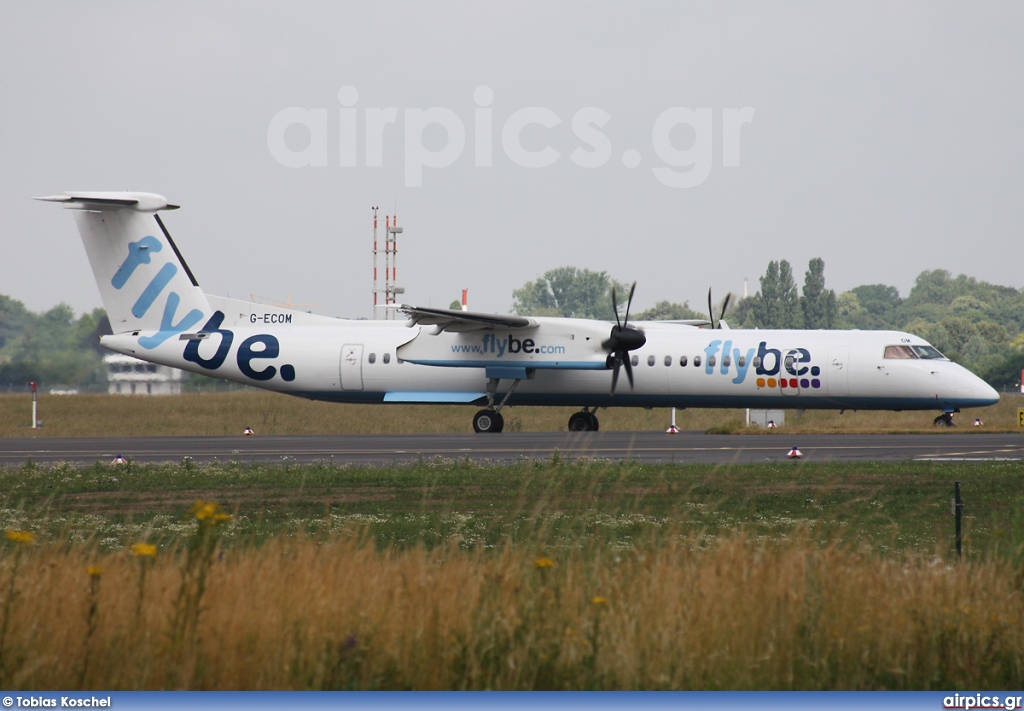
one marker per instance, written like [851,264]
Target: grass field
[553,575]
[93,415]
[457,575]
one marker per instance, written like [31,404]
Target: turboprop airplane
[158,313]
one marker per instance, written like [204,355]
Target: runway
[397,450]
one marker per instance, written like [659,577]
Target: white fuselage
[562,362]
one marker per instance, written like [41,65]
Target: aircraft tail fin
[143,280]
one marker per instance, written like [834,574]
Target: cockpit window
[915,352]
[899,352]
[928,353]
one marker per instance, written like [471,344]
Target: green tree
[669,311]
[54,348]
[777,304]
[960,331]
[570,292]
[13,318]
[818,304]
[879,303]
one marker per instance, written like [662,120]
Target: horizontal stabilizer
[143,202]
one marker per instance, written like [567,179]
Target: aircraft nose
[972,391]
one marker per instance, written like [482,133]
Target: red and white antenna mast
[391,232]
[375,289]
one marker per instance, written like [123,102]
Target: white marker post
[35,397]
[672,429]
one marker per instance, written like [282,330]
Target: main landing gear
[490,420]
[584,421]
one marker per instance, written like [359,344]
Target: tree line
[54,348]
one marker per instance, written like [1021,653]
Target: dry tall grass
[336,613]
[92,415]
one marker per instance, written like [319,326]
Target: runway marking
[967,459]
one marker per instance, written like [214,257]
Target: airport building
[131,376]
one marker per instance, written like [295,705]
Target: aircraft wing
[452,320]
[686,322]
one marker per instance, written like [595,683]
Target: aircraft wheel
[944,420]
[488,421]
[583,422]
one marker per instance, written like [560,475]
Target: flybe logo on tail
[140,253]
[789,368]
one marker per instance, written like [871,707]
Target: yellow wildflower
[544,563]
[143,549]
[208,513]
[20,536]
[94,571]
[598,600]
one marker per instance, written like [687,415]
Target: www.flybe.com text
[500,346]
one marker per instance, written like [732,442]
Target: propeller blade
[629,369]
[615,308]
[622,340]
[629,303]
[711,310]
[725,306]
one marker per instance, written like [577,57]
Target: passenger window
[726,361]
[711,361]
[372,358]
[387,358]
[668,360]
[742,361]
[756,362]
[682,361]
[696,361]
[634,360]
[650,360]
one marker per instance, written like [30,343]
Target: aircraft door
[351,366]
[838,377]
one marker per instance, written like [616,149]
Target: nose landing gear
[944,420]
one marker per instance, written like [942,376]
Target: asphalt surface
[384,450]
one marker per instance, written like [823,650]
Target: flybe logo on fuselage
[262,346]
[784,368]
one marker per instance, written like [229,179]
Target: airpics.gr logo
[774,367]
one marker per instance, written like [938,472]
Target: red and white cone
[248,432]
[795,453]
[771,424]
[119,460]
[978,422]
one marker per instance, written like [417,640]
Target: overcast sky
[886,138]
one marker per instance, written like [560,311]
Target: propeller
[711,313]
[622,340]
